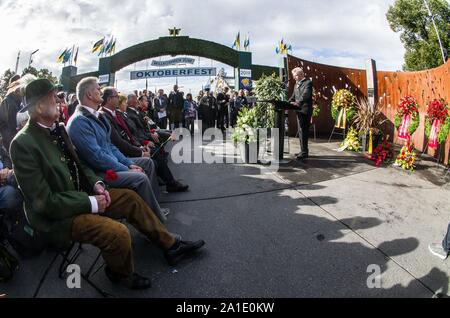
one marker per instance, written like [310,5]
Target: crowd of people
[73,166]
[215,109]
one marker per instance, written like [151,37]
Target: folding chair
[70,256]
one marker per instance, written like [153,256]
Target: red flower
[145,142]
[111,175]
[152,131]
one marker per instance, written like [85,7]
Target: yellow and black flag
[237,42]
[60,58]
[98,45]
[75,59]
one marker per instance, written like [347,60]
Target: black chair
[70,256]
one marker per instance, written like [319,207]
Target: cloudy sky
[338,32]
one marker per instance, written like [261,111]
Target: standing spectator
[176,104]
[223,103]
[207,110]
[161,102]
[9,108]
[190,112]
[199,96]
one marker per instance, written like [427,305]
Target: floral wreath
[343,104]
[407,119]
[437,122]
[406,158]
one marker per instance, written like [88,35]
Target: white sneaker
[438,250]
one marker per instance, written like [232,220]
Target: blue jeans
[10,198]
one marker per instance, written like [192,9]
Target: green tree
[42,73]
[411,18]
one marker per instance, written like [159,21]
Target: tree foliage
[42,73]
[268,88]
[411,18]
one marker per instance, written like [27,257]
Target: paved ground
[309,230]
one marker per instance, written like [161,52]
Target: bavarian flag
[98,45]
[341,119]
[237,42]
[60,58]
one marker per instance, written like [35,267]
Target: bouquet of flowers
[316,110]
[407,118]
[406,158]
[437,123]
[343,107]
[351,142]
[382,153]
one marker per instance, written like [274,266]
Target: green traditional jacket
[51,200]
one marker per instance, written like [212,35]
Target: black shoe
[302,157]
[134,281]
[161,182]
[177,187]
[180,249]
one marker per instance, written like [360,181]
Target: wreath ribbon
[403,129]
[434,142]
[341,119]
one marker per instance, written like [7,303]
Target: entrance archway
[108,66]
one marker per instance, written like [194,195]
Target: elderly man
[138,125]
[131,148]
[65,201]
[302,98]
[91,135]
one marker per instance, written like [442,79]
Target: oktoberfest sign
[174,72]
[179,60]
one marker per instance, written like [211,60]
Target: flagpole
[436,29]
[17,62]
[72,55]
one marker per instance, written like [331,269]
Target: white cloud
[327,31]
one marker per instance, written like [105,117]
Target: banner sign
[103,79]
[245,73]
[174,72]
[179,60]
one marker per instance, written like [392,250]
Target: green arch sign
[245,70]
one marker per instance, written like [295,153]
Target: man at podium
[303,99]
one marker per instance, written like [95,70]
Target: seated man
[90,133]
[10,197]
[66,202]
[141,123]
[120,138]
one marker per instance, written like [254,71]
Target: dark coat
[140,126]
[9,108]
[176,104]
[120,139]
[303,94]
